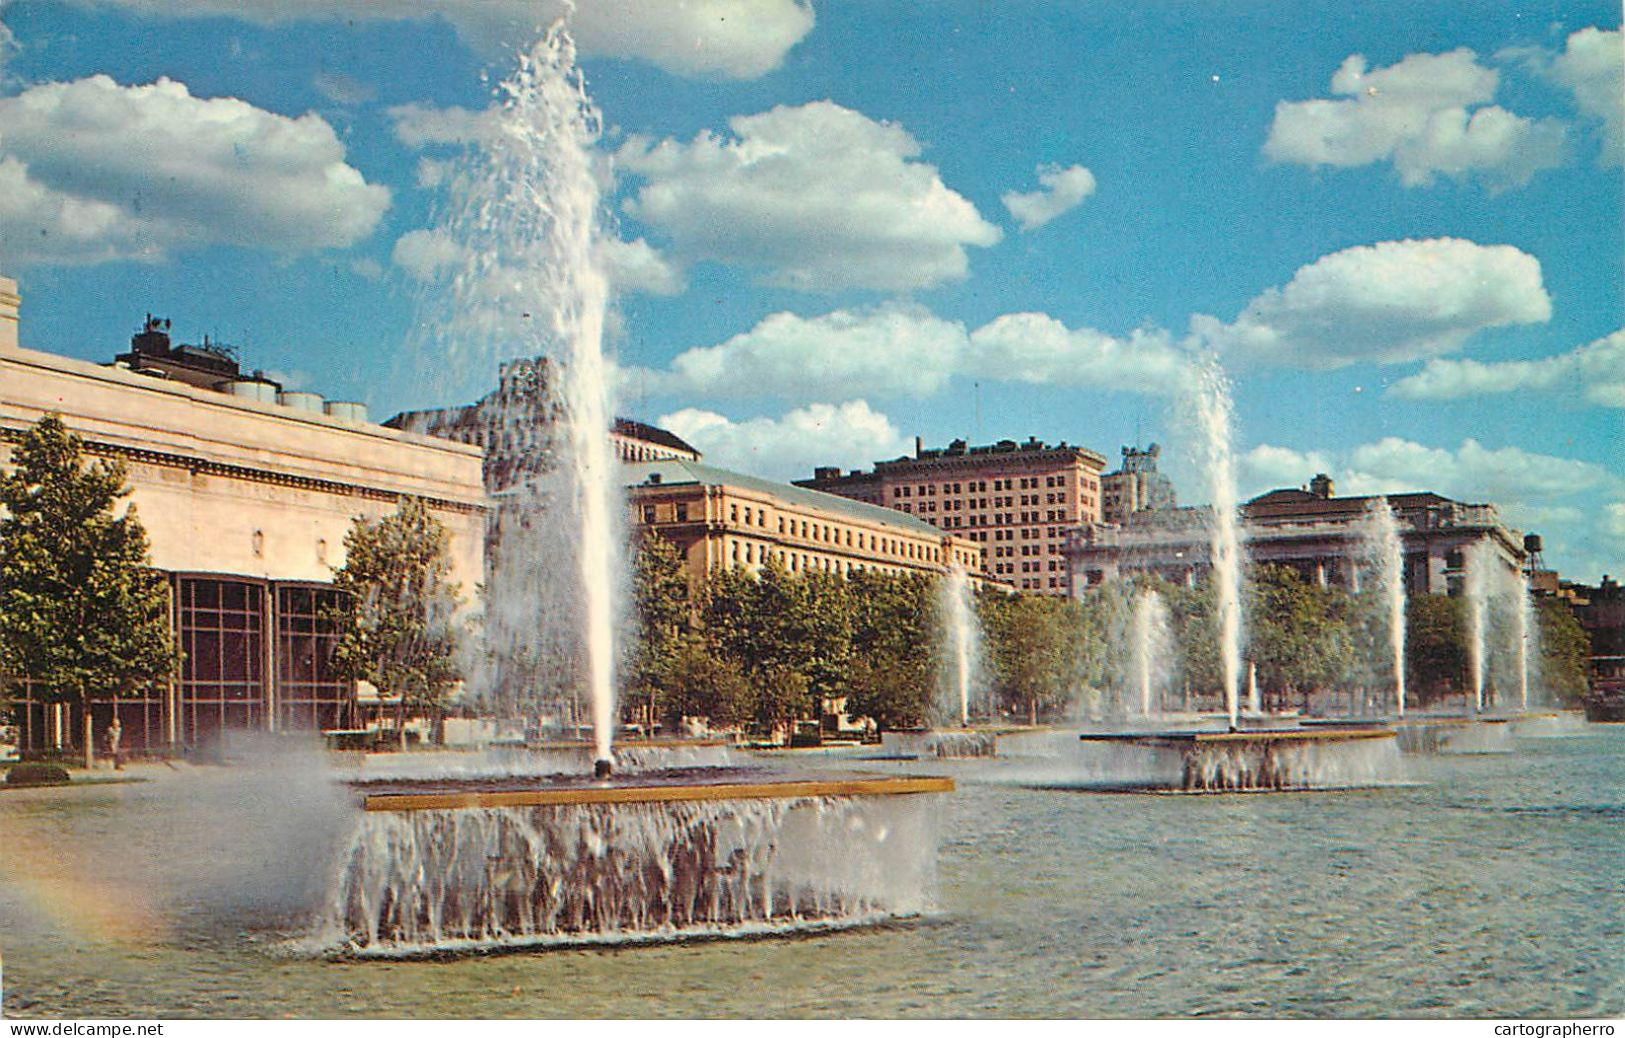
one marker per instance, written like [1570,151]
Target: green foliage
[398,626]
[662,609]
[82,613]
[701,683]
[1036,652]
[891,678]
[37,774]
[1301,636]
[1565,648]
[1435,646]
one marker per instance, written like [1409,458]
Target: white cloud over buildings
[904,350]
[1592,66]
[1594,373]
[850,434]
[815,197]
[1059,190]
[1386,303]
[92,171]
[726,39]
[1428,114]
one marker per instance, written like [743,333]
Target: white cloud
[1428,115]
[424,254]
[1594,372]
[1059,190]
[901,350]
[737,39]
[1579,506]
[1386,303]
[637,266]
[1037,348]
[816,197]
[8,43]
[419,125]
[94,171]
[1593,67]
[790,447]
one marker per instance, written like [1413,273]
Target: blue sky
[847,224]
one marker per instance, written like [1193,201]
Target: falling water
[1152,646]
[1213,410]
[1383,551]
[1524,631]
[963,637]
[1477,561]
[523,222]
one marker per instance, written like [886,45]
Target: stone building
[1600,609]
[1136,487]
[1312,530]
[513,425]
[1016,500]
[246,501]
[728,520]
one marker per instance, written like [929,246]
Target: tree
[1565,649]
[1299,635]
[82,613]
[1435,646]
[1037,651]
[700,682]
[891,678]
[662,606]
[397,627]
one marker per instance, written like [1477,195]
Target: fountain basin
[1460,735]
[1266,760]
[449,866]
[940,742]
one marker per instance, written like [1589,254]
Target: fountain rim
[1243,736]
[651,794]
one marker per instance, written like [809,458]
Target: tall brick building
[1015,499]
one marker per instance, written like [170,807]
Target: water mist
[1384,553]
[1213,410]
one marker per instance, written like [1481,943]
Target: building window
[310,696]
[682,513]
[223,674]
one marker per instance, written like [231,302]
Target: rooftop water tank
[349,410]
[301,401]
[259,389]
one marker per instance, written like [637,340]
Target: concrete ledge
[1266,735]
[655,794]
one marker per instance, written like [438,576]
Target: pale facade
[246,505]
[724,520]
[1016,500]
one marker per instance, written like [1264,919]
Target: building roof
[652,434]
[1293,502]
[680,473]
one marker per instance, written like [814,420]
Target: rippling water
[1492,886]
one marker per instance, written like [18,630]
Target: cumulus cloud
[1592,65]
[902,350]
[1386,303]
[93,171]
[1575,503]
[816,197]
[791,446]
[734,39]
[1429,114]
[1594,372]
[420,126]
[637,266]
[1059,190]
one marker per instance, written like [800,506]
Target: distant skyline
[845,224]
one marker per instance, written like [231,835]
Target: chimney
[1322,486]
[919,446]
[10,304]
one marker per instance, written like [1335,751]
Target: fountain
[1477,561]
[1385,555]
[962,635]
[455,854]
[960,669]
[1152,646]
[1235,760]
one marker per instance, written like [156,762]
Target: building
[1016,500]
[513,424]
[1136,487]
[727,520]
[246,502]
[1311,530]
[1600,610]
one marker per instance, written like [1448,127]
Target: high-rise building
[1017,500]
[1136,487]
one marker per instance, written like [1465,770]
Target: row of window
[749,554]
[977,486]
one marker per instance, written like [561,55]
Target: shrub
[36,775]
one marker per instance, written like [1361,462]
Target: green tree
[82,613]
[1300,636]
[1435,646]
[1036,651]
[663,608]
[891,678]
[700,682]
[398,626]
[1565,650]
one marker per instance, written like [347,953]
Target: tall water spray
[523,222]
[962,635]
[1522,607]
[1478,562]
[1213,411]
[1385,554]
[1152,646]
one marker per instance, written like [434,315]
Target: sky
[832,227]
